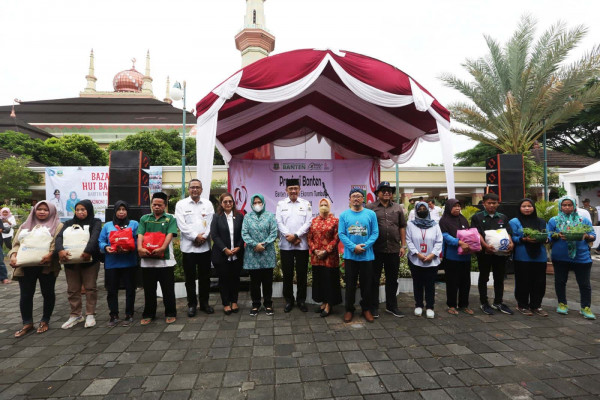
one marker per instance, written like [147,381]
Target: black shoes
[288,307]
[395,312]
[375,313]
[207,309]
[302,306]
[487,309]
[191,312]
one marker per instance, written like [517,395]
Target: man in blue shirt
[358,231]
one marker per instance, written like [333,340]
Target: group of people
[374,236]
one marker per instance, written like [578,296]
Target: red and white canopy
[361,106]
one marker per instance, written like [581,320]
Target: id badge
[423,247]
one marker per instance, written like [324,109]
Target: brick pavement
[296,355]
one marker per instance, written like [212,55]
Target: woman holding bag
[84,272]
[43,214]
[458,265]
[117,241]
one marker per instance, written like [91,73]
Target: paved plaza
[301,355]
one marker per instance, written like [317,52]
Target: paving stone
[287,375]
[156,383]
[264,392]
[182,382]
[422,380]
[176,395]
[100,387]
[370,385]
[342,388]
[64,373]
[435,395]
[312,374]
[290,391]
[396,383]
[316,390]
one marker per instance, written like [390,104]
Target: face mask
[324,209]
[422,214]
[257,207]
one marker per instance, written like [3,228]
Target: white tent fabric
[591,173]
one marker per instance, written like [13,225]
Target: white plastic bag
[75,239]
[34,245]
[499,239]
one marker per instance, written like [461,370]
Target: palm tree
[522,88]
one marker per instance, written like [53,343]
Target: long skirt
[326,285]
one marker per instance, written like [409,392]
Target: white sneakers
[90,321]
[429,313]
[72,321]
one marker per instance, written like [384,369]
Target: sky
[45,45]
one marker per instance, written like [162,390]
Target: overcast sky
[45,45]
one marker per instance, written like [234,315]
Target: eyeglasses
[227,201]
[195,187]
[386,190]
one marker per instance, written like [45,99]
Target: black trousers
[300,259]
[356,270]
[390,262]
[423,281]
[458,283]
[229,280]
[326,285]
[8,242]
[166,277]
[113,278]
[27,284]
[530,284]
[261,277]
[197,266]
[496,264]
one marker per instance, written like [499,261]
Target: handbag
[122,238]
[35,244]
[75,240]
[153,240]
[471,237]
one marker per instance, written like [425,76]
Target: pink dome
[130,80]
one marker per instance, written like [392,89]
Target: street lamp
[178,94]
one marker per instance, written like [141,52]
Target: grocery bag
[122,238]
[471,237]
[499,239]
[75,240]
[35,244]
[153,240]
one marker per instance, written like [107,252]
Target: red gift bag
[153,240]
[122,238]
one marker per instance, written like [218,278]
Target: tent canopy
[591,173]
[361,106]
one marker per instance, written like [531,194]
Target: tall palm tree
[524,87]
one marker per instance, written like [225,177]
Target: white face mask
[257,207]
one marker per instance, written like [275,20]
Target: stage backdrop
[318,178]
[78,183]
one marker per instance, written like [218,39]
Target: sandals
[42,327]
[467,310]
[452,310]
[145,321]
[170,320]
[24,330]
[234,309]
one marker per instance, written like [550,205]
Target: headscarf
[122,223]
[51,222]
[530,221]
[89,219]
[262,198]
[449,223]
[328,202]
[423,223]
[6,209]
[564,222]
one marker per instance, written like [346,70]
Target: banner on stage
[331,179]
[65,186]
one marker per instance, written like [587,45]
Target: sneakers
[418,311]
[487,309]
[541,312]
[114,321]
[90,321]
[430,314]
[375,313]
[269,310]
[503,308]
[562,309]
[587,313]
[127,321]
[254,312]
[395,312]
[72,321]
[525,311]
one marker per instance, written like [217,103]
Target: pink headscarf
[51,222]
[6,209]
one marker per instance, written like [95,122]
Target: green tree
[476,156]
[523,87]
[21,144]
[73,150]
[16,179]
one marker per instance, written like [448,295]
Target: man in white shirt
[434,211]
[294,216]
[58,203]
[194,216]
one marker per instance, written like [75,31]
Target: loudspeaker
[128,159]
[128,176]
[506,177]
[127,179]
[135,212]
[132,194]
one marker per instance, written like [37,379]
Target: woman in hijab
[71,202]
[424,240]
[8,220]
[42,214]
[85,273]
[530,260]
[571,254]
[457,266]
[259,231]
[325,260]
[120,264]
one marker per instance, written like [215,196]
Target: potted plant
[547,210]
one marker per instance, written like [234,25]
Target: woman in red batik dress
[324,258]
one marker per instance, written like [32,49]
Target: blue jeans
[582,275]
[3,271]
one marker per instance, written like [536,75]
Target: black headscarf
[89,219]
[122,223]
[451,224]
[531,221]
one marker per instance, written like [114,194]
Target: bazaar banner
[65,186]
[331,179]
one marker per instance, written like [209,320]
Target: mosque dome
[129,80]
